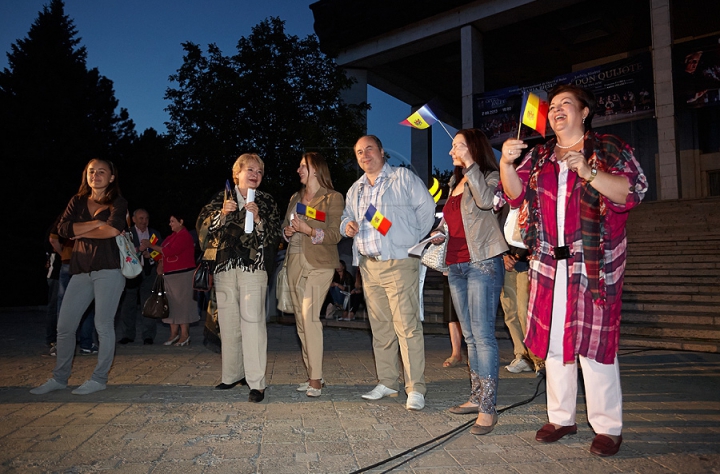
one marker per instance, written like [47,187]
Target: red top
[178,251]
[457,249]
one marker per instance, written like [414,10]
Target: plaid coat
[592,325]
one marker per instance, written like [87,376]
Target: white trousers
[603,394]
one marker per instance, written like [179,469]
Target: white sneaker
[50,386]
[90,386]
[313,392]
[519,365]
[303,387]
[379,392]
[415,401]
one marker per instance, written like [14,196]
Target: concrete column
[472,70]
[357,94]
[421,151]
[667,170]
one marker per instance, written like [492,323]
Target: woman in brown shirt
[93,218]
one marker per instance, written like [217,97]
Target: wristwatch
[593,173]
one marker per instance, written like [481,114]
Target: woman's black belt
[561,253]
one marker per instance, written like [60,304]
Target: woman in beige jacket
[312,228]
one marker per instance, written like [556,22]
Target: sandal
[451,362]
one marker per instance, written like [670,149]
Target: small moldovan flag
[310,212]
[422,118]
[228,190]
[534,112]
[154,253]
[377,220]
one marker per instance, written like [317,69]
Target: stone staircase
[671,296]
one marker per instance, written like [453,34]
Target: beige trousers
[391,297]
[308,287]
[241,315]
[514,299]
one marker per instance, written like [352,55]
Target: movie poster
[623,89]
[696,67]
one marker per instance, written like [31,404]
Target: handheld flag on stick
[228,190]
[310,212]
[377,220]
[154,253]
[423,118]
[534,113]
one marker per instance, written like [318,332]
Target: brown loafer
[482,429]
[549,434]
[604,446]
[460,410]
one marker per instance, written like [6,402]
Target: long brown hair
[480,150]
[113,189]
[322,172]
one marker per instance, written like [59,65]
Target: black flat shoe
[125,340]
[256,396]
[226,386]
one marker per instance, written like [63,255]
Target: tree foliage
[278,96]
[55,115]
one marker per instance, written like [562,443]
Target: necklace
[570,146]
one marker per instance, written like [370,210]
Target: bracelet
[593,174]
[319,236]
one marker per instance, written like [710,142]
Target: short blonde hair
[242,161]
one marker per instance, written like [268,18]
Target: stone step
[671,330]
[659,234]
[671,280]
[657,287]
[665,307]
[674,259]
[675,298]
[674,272]
[708,319]
[671,266]
[676,344]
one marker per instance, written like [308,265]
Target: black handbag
[203,277]
[156,306]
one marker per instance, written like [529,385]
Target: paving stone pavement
[159,413]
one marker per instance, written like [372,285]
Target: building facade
[653,64]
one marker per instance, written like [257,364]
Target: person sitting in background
[357,297]
[342,283]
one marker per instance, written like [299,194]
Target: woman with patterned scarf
[242,252]
[574,194]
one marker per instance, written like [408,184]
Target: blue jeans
[337,297]
[475,289]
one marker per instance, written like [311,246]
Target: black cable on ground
[447,436]
[450,434]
